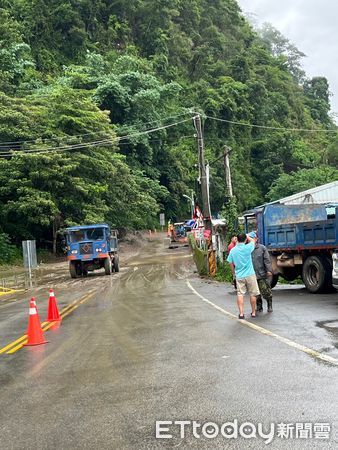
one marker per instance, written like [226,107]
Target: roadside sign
[29,257]
[162,219]
[29,254]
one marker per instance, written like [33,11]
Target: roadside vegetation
[10,254]
[82,83]
[223,272]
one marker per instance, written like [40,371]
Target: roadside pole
[204,181]
[227,152]
[192,204]
[203,174]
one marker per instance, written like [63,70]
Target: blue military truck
[302,241]
[91,247]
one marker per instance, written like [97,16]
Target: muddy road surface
[156,343]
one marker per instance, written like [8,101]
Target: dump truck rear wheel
[116,264]
[317,275]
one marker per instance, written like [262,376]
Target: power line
[55,138]
[161,140]
[307,130]
[70,136]
[94,143]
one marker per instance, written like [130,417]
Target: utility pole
[191,201]
[203,174]
[227,152]
[192,204]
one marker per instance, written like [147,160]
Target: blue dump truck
[302,241]
[91,247]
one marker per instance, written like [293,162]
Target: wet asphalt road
[146,347]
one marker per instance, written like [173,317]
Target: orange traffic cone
[34,303]
[53,312]
[35,333]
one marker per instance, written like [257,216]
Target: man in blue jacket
[241,264]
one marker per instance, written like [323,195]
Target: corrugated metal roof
[327,193]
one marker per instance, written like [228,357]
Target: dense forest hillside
[82,83]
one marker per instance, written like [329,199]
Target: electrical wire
[61,138]
[70,137]
[94,143]
[307,130]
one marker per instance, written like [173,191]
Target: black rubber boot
[269,302]
[259,304]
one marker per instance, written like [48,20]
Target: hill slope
[91,70]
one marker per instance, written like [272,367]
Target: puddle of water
[331,324]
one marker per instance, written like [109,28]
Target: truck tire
[274,280]
[317,275]
[116,264]
[108,266]
[73,270]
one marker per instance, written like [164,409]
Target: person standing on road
[233,242]
[263,269]
[241,264]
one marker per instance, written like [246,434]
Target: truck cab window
[76,236]
[95,234]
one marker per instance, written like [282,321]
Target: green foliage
[200,257]
[42,191]
[282,48]
[230,213]
[302,180]
[223,272]
[9,253]
[318,98]
[75,73]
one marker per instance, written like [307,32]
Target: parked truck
[302,241]
[91,247]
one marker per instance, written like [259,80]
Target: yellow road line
[10,291]
[267,332]
[45,326]
[19,343]
[4,349]
[17,347]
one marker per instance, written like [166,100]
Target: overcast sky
[312,25]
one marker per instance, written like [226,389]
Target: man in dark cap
[263,269]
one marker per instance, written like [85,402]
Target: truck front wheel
[74,270]
[317,274]
[108,266]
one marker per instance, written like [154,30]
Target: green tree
[91,80]
[304,179]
